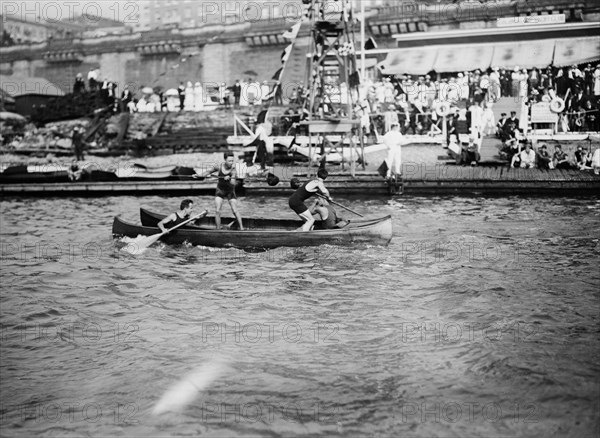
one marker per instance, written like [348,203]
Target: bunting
[292,32]
[277,74]
[291,35]
[286,53]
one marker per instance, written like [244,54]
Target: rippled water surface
[481,318]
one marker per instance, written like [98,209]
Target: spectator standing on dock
[126,97]
[77,140]
[394,140]
[79,86]
[181,93]
[236,90]
[92,79]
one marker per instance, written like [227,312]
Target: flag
[370,44]
[277,74]
[292,32]
[286,53]
[261,117]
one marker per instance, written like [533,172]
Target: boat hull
[262,233]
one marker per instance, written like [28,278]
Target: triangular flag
[261,117]
[277,74]
[292,32]
[370,44]
[286,53]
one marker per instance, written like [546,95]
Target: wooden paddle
[338,204]
[140,245]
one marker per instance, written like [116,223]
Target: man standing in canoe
[305,191]
[225,187]
[185,209]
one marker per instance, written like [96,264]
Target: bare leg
[218,204]
[308,219]
[236,213]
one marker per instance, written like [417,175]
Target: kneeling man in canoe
[185,209]
[225,187]
[304,192]
[325,215]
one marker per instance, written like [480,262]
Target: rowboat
[259,233]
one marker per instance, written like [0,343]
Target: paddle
[144,242]
[338,204]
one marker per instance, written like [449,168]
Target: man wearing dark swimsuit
[225,188]
[185,209]
[296,201]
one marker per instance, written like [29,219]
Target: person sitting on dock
[74,171]
[225,187]
[471,153]
[324,214]
[305,191]
[527,157]
[185,209]
[560,159]
[544,159]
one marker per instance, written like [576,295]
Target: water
[479,319]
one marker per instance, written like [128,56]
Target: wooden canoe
[260,233]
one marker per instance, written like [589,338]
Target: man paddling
[225,187]
[305,191]
[185,209]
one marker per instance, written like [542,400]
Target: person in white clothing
[528,157]
[394,140]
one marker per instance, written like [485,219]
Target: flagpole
[362,41]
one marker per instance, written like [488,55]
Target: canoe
[260,233]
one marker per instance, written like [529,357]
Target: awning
[463,58]
[526,54]
[576,51]
[416,61]
[468,57]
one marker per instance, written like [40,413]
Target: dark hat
[503,114]
[272,180]
[295,183]
[543,146]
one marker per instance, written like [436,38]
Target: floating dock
[417,180]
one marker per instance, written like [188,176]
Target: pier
[417,180]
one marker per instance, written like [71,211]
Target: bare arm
[206,172]
[321,187]
[169,218]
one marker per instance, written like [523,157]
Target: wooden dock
[417,179]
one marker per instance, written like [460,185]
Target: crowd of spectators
[186,97]
[418,99]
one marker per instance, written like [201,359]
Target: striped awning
[463,57]
[468,57]
[525,54]
[416,61]
[576,51]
